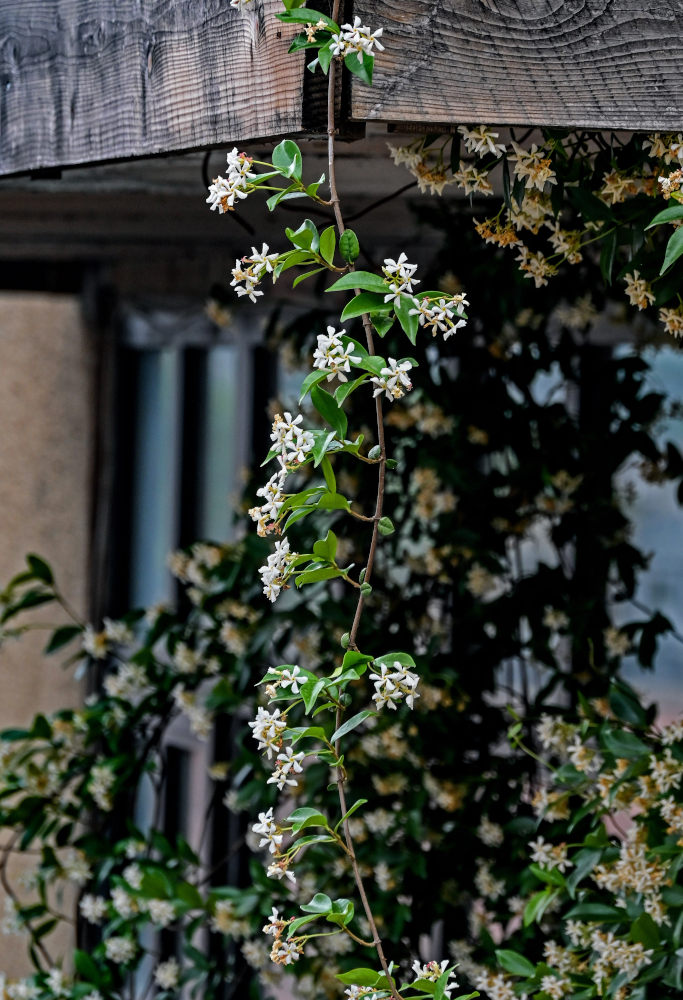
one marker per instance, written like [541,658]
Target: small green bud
[345,699]
[346,640]
[365,589]
[392,463]
[361,575]
[375,452]
[386,526]
[349,247]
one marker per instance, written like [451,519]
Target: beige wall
[46,438]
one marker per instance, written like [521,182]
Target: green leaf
[342,912]
[515,963]
[297,733]
[349,247]
[307,16]
[360,68]
[597,912]
[537,905]
[293,191]
[331,482]
[305,237]
[625,704]
[325,56]
[644,930]
[349,812]
[382,323]
[359,977]
[344,390]
[550,875]
[311,379]
[386,526]
[409,324]
[287,159]
[328,409]
[319,904]
[584,861]
[303,818]
[189,895]
[86,967]
[328,243]
[301,922]
[670,214]
[326,548]
[333,501]
[307,274]
[366,302]
[40,568]
[322,442]
[674,249]
[405,659]
[61,637]
[589,205]
[624,744]
[351,723]
[317,575]
[360,279]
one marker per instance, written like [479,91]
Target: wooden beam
[83,81]
[602,64]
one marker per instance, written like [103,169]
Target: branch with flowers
[378,300]
[566,194]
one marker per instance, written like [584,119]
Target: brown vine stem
[336,206]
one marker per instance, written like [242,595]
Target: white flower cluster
[293,444]
[393,686]
[268,830]
[224,190]
[267,729]
[356,38]
[287,763]
[251,270]
[274,572]
[330,355]
[393,380]
[398,275]
[444,315]
[480,140]
[433,972]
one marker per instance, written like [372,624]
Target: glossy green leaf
[328,243]
[515,963]
[409,324]
[360,279]
[670,214]
[319,904]
[287,159]
[329,410]
[311,379]
[366,302]
[674,249]
[330,480]
[351,724]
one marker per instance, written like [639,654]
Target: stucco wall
[46,433]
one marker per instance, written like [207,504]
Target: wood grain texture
[577,63]
[93,80]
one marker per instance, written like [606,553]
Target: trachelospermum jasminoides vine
[378,300]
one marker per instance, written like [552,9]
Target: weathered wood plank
[576,63]
[92,80]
